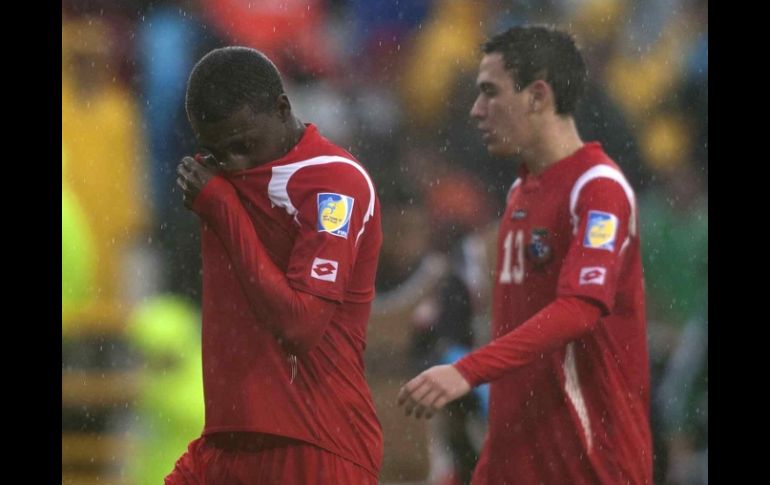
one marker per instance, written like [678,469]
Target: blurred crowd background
[392,82]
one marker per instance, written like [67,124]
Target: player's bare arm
[433,389]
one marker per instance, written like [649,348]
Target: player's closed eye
[205,152]
[488,89]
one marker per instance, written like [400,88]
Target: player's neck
[558,140]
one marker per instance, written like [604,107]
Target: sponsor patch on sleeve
[601,230]
[593,275]
[334,212]
[324,269]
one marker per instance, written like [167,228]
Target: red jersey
[575,406]
[317,216]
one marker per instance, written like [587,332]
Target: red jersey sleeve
[560,322]
[603,219]
[335,205]
[297,319]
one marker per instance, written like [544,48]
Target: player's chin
[496,149]
[502,149]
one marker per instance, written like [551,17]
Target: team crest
[334,212]
[601,230]
[539,250]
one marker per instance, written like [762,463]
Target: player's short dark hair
[534,53]
[227,79]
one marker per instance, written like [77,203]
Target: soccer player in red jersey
[568,362]
[290,239]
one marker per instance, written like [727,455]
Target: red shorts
[255,459]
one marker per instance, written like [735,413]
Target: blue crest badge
[334,212]
[601,230]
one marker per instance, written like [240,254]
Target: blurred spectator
[165,333]
[443,333]
[169,41]
[443,321]
[287,31]
[100,127]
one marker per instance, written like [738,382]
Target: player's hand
[430,391]
[193,174]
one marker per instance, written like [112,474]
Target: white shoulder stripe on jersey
[602,171]
[575,394]
[278,193]
[515,184]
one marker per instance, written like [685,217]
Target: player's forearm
[562,321]
[296,318]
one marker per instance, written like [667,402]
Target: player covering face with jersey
[290,236]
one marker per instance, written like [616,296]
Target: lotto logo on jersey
[592,275]
[334,212]
[601,230]
[324,269]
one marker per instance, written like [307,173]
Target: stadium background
[393,83]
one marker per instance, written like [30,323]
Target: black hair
[534,53]
[227,79]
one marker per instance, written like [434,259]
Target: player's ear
[284,107]
[540,96]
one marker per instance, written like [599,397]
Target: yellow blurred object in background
[169,409]
[665,142]
[101,129]
[597,21]
[447,47]
[77,252]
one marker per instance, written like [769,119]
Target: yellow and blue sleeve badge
[601,230]
[334,211]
